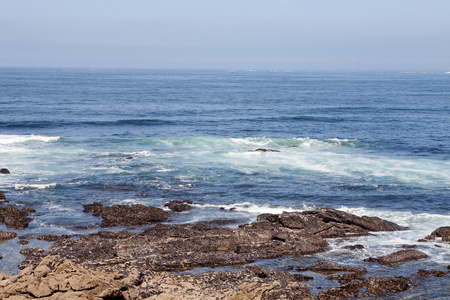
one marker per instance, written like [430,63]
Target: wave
[15,139]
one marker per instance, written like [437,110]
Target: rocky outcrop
[2,196]
[6,235]
[178,205]
[442,232]
[57,278]
[399,257]
[127,215]
[4,171]
[14,218]
[126,265]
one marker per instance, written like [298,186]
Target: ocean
[368,143]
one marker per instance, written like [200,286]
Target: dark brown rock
[347,277]
[125,215]
[344,291]
[14,218]
[399,257]
[442,232]
[6,235]
[94,208]
[23,242]
[326,267]
[438,273]
[354,247]
[178,205]
[263,150]
[2,196]
[52,237]
[4,171]
[379,286]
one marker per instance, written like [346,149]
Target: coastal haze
[279,34]
[237,108]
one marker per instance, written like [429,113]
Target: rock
[23,242]
[263,150]
[354,247]
[14,218]
[379,286]
[442,232]
[438,273]
[422,272]
[4,171]
[6,235]
[344,291]
[399,257]
[326,267]
[347,277]
[178,205]
[2,196]
[95,208]
[52,237]
[124,215]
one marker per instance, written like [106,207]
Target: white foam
[14,139]
[34,186]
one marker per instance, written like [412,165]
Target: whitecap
[14,139]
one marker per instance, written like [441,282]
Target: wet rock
[6,235]
[344,291]
[4,171]
[14,218]
[442,232]
[347,277]
[354,247]
[409,246]
[125,215]
[178,205]
[2,196]
[326,267]
[94,208]
[379,286]
[263,150]
[52,237]
[399,257]
[23,242]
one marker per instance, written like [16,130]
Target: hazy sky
[227,34]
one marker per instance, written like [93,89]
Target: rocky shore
[149,264]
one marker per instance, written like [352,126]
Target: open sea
[375,144]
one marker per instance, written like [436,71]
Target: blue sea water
[374,144]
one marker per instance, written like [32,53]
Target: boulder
[399,257]
[4,171]
[2,196]
[178,205]
[6,235]
[379,286]
[442,232]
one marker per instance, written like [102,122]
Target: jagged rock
[178,205]
[2,196]
[6,235]
[125,215]
[14,218]
[4,171]
[23,242]
[398,257]
[344,291]
[326,267]
[442,232]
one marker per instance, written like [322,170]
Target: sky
[404,35]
